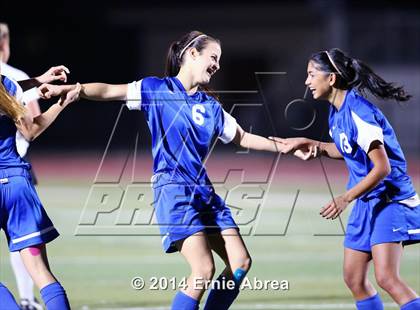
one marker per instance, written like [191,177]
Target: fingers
[299,154]
[310,153]
[60,73]
[44,91]
[64,68]
[315,151]
[330,211]
[58,69]
[57,73]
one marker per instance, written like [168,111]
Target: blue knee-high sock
[54,297]
[371,303]
[221,298]
[184,302]
[412,305]
[6,299]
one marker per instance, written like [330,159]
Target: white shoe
[25,304]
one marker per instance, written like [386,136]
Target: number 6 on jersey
[197,113]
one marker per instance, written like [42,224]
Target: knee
[243,263]
[205,271]
[386,280]
[354,282]
[246,263]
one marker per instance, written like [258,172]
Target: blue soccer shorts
[377,221]
[22,215]
[183,210]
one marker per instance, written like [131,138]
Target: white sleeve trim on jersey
[366,133]
[19,94]
[229,128]
[133,101]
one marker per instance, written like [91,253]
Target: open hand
[302,148]
[57,73]
[334,208]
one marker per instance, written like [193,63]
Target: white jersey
[18,75]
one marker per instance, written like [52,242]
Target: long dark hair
[353,73]
[177,50]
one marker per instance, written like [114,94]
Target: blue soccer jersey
[22,215]
[353,128]
[182,126]
[9,156]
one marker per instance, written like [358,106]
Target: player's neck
[336,98]
[186,80]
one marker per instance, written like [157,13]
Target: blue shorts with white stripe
[22,215]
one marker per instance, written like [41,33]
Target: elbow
[240,138]
[243,142]
[387,170]
[31,138]
[384,171]
[28,135]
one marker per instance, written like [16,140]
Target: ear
[332,78]
[194,53]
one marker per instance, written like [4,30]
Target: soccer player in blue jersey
[184,118]
[386,214]
[22,216]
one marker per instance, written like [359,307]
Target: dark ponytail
[353,73]
[177,50]
[172,62]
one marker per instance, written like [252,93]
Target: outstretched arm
[91,91]
[255,142]
[104,92]
[306,149]
[30,128]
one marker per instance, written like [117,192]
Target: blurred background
[265,47]
[118,42]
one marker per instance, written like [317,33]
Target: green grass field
[97,270]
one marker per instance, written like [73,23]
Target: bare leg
[197,253]
[355,273]
[386,259]
[231,248]
[36,262]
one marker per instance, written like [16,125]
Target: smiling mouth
[210,71]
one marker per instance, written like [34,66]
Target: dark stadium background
[121,41]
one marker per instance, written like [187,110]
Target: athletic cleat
[25,304]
